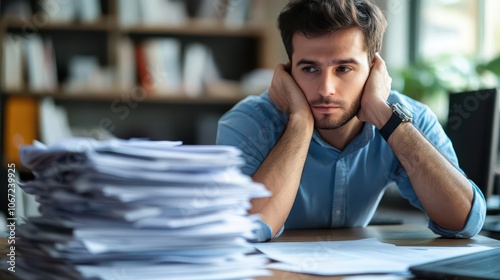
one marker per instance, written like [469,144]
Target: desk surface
[402,235]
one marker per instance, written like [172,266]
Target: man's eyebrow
[334,62]
[344,61]
[306,61]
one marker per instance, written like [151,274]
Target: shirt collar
[362,139]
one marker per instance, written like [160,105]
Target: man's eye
[309,69]
[343,69]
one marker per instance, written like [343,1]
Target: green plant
[492,67]
[428,78]
[419,80]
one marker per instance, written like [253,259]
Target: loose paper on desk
[137,209]
[352,257]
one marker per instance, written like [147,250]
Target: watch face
[403,112]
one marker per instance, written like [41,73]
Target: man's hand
[377,88]
[286,94]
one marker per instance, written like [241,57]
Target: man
[330,135]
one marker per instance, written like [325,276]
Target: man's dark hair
[319,17]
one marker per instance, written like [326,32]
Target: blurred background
[168,69]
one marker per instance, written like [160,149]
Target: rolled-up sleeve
[475,220]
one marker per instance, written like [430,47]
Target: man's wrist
[303,119]
[381,116]
[400,114]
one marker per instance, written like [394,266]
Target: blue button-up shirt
[339,188]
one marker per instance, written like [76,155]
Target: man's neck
[340,137]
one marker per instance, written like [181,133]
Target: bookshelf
[117,105]
[116,87]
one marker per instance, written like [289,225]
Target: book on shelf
[54,124]
[125,64]
[257,11]
[195,62]
[143,77]
[40,57]
[59,11]
[81,70]
[200,69]
[13,63]
[21,118]
[162,70]
[158,65]
[89,10]
[128,13]
[161,12]
[86,75]
[166,61]
[34,55]
[151,12]
[49,65]
[233,13]
[236,12]
[69,10]
[207,9]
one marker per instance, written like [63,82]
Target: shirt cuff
[475,220]
[263,231]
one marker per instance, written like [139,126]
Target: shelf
[198,27]
[115,95]
[101,25]
[192,27]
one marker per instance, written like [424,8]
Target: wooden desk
[403,235]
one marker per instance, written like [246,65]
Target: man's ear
[373,59]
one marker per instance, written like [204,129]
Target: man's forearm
[444,192]
[281,172]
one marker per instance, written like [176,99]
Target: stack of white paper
[138,209]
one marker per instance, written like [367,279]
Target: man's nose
[326,84]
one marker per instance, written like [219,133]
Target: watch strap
[390,126]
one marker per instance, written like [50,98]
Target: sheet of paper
[422,254]
[237,269]
[352,257]
[334,257]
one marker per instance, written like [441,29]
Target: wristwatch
[399,114]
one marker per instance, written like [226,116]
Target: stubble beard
[327,122]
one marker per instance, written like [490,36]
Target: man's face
[331,70]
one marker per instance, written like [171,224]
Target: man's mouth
[326,109]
